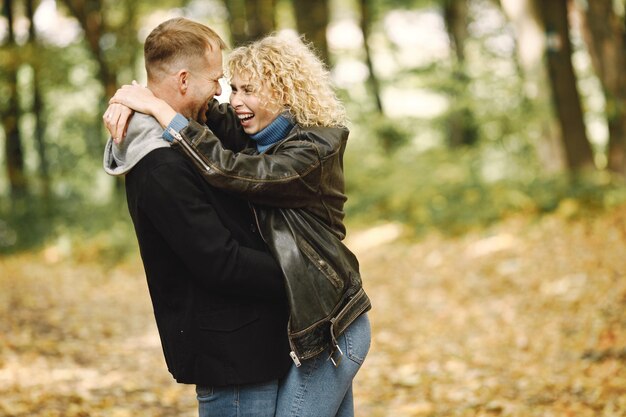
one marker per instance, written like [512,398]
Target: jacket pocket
[226,320]
[320,263]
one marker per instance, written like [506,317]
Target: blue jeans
[319,389]
[255,400]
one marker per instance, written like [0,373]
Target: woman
[283,107]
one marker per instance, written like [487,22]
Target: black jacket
[298,188]
[218,295]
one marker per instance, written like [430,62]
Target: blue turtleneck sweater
[272,133]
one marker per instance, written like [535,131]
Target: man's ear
[183,80]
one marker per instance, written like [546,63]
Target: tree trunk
[312,18]
[237,21]
[455,14]
[11,115]
[462,129]
[250,19]
[530,38]
[260,18]
[91,17]
[563,81]
[604,35]
[38,106]
[366,23]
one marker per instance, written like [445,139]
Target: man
[218,296]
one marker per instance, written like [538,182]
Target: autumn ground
[526,318]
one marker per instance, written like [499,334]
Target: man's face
[255,109]
[204,84]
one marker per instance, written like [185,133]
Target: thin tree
[529,41]
[462,128]
[604,36]
[554,15]
[250,19]
[365,7]
[38,105]
[312,19]
[92,17]
[236,21]
[11,112]
[260,18]
[92,21]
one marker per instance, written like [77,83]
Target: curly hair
[295,76]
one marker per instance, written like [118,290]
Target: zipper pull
[332,353]
[175,134]
[295,359]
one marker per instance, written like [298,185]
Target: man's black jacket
[218,296]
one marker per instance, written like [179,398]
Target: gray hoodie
[143,136]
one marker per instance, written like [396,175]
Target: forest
[485,174]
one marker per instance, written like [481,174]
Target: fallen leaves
[526,318]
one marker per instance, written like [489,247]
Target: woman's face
[254,114]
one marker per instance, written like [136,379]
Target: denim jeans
[319,389]
[255,400]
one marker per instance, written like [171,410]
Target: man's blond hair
[177,41]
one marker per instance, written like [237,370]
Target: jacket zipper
[256,220]
[178,137]
[293,354]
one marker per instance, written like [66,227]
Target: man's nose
[218,92]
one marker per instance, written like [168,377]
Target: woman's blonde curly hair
[295,76]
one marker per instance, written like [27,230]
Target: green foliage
[397,168]
[75,227]
[455,190]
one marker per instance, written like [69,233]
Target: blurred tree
[260,18]
[10,111]
[604,35]
[37,100]
[250,19]
[554,15]
[462,129]
[312,18]
[529,41]
[91,18]
[237,21]
[111,39]
[367,17]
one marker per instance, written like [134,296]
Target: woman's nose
[234,100]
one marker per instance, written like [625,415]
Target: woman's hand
[116,119]
[136,97]
[141,99]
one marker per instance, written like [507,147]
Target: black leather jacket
[297,191]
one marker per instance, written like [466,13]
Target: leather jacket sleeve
[224,123]
[289,178]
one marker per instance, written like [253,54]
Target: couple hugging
[238,211]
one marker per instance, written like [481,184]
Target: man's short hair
[178,40]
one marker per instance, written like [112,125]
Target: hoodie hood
[144,135]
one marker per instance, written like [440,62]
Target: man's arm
[177,206]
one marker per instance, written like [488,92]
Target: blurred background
[472,122]
[462,111]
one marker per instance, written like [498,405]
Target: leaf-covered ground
[527,318]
